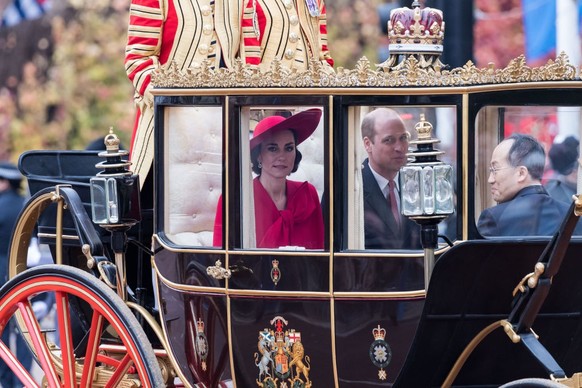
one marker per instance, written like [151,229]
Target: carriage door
[189,167]
[276,238]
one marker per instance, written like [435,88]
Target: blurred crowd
[64,83]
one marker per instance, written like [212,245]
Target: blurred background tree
[63,83]
[72,87]
[354,30]
[498,32]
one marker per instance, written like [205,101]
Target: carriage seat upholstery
[194,168]
[195,165]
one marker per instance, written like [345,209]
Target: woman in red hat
[287,213]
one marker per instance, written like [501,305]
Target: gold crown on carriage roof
[416,30]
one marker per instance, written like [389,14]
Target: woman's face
[278,154]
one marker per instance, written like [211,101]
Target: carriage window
[524,184]
[282,177]
[379,138]
[193,173]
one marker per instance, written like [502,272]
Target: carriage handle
[218,272]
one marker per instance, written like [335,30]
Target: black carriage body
[356,311]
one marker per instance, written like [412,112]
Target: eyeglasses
[493,170]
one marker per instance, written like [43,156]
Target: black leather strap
[85,227]
[542,355]
[527,304]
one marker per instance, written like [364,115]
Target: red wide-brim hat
[302,124]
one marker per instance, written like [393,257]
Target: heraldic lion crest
[297,354]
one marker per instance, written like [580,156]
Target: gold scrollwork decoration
[411,72]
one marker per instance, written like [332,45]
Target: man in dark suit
[524,206]
[386,142]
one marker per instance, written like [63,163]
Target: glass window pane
[282,177]
[193,173]
[380,137]
[520,191]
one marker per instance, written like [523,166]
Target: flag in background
[539,25]
[18,10]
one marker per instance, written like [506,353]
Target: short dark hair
[564,156]
[255,152]
[368,126]
[527,151]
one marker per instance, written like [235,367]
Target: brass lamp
[115,190]
[115,203]
[426,186]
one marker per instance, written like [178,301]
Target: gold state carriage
[144,298]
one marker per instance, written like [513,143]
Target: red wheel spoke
[92,348]
[16,367]
[122,368]
[88,314]
[66,339]
[109,361]
[39,343]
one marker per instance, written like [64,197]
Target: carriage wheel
[114,351]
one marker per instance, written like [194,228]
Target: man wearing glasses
[386,142]
[524,208]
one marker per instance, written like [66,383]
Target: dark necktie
[392,201]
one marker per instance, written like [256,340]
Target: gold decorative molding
[410,73]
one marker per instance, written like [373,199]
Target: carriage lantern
[115,204]
[426,191]
[115,190]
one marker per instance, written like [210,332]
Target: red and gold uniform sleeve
[144,37]
[252,52]
[324,50]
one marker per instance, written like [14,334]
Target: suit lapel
[375,198]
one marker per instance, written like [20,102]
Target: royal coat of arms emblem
[281,357]
[380,352]
[275,272]
[201,343]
